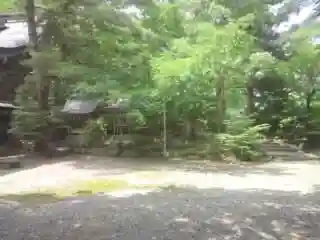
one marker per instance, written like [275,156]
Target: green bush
[95,132]
[245,146]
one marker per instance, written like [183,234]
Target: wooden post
[165,152]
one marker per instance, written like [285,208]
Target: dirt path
[291,176]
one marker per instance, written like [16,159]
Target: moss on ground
[82,188]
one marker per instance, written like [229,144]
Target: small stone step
[282,149]
[286,152]
[288,159]
[278,145]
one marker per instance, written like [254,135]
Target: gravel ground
[275,201]
[169,214]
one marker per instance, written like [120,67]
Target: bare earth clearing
[208,201]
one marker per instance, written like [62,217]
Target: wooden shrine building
[13,42]
[78,112]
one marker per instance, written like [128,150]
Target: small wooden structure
[7,162]
[79,112]
[13,41]
[117,136]
[5,119]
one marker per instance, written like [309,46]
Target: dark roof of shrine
[7,105]
[14,35]
[89,106]
[13,30]
[80,106]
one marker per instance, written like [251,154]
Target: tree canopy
[216,68]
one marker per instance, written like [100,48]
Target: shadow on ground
[34,199]
[32,162]
[170,213]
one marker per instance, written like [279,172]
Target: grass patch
[82,188]
[93,187]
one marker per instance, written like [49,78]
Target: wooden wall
[12,74]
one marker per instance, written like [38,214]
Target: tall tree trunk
[44,84]
[250,100]
[309,100]
[221,105]
[32,25]
[309,110]
[41,143]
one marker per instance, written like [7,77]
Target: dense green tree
[213,67]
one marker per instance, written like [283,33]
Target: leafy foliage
[204,63]
[244,145]
[7,5]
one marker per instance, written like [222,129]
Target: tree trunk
[32,25]
[250,100]
[309,109]
[309,100]
[42,143]
[221,105]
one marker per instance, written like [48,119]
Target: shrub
[95,132]
[245,146]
